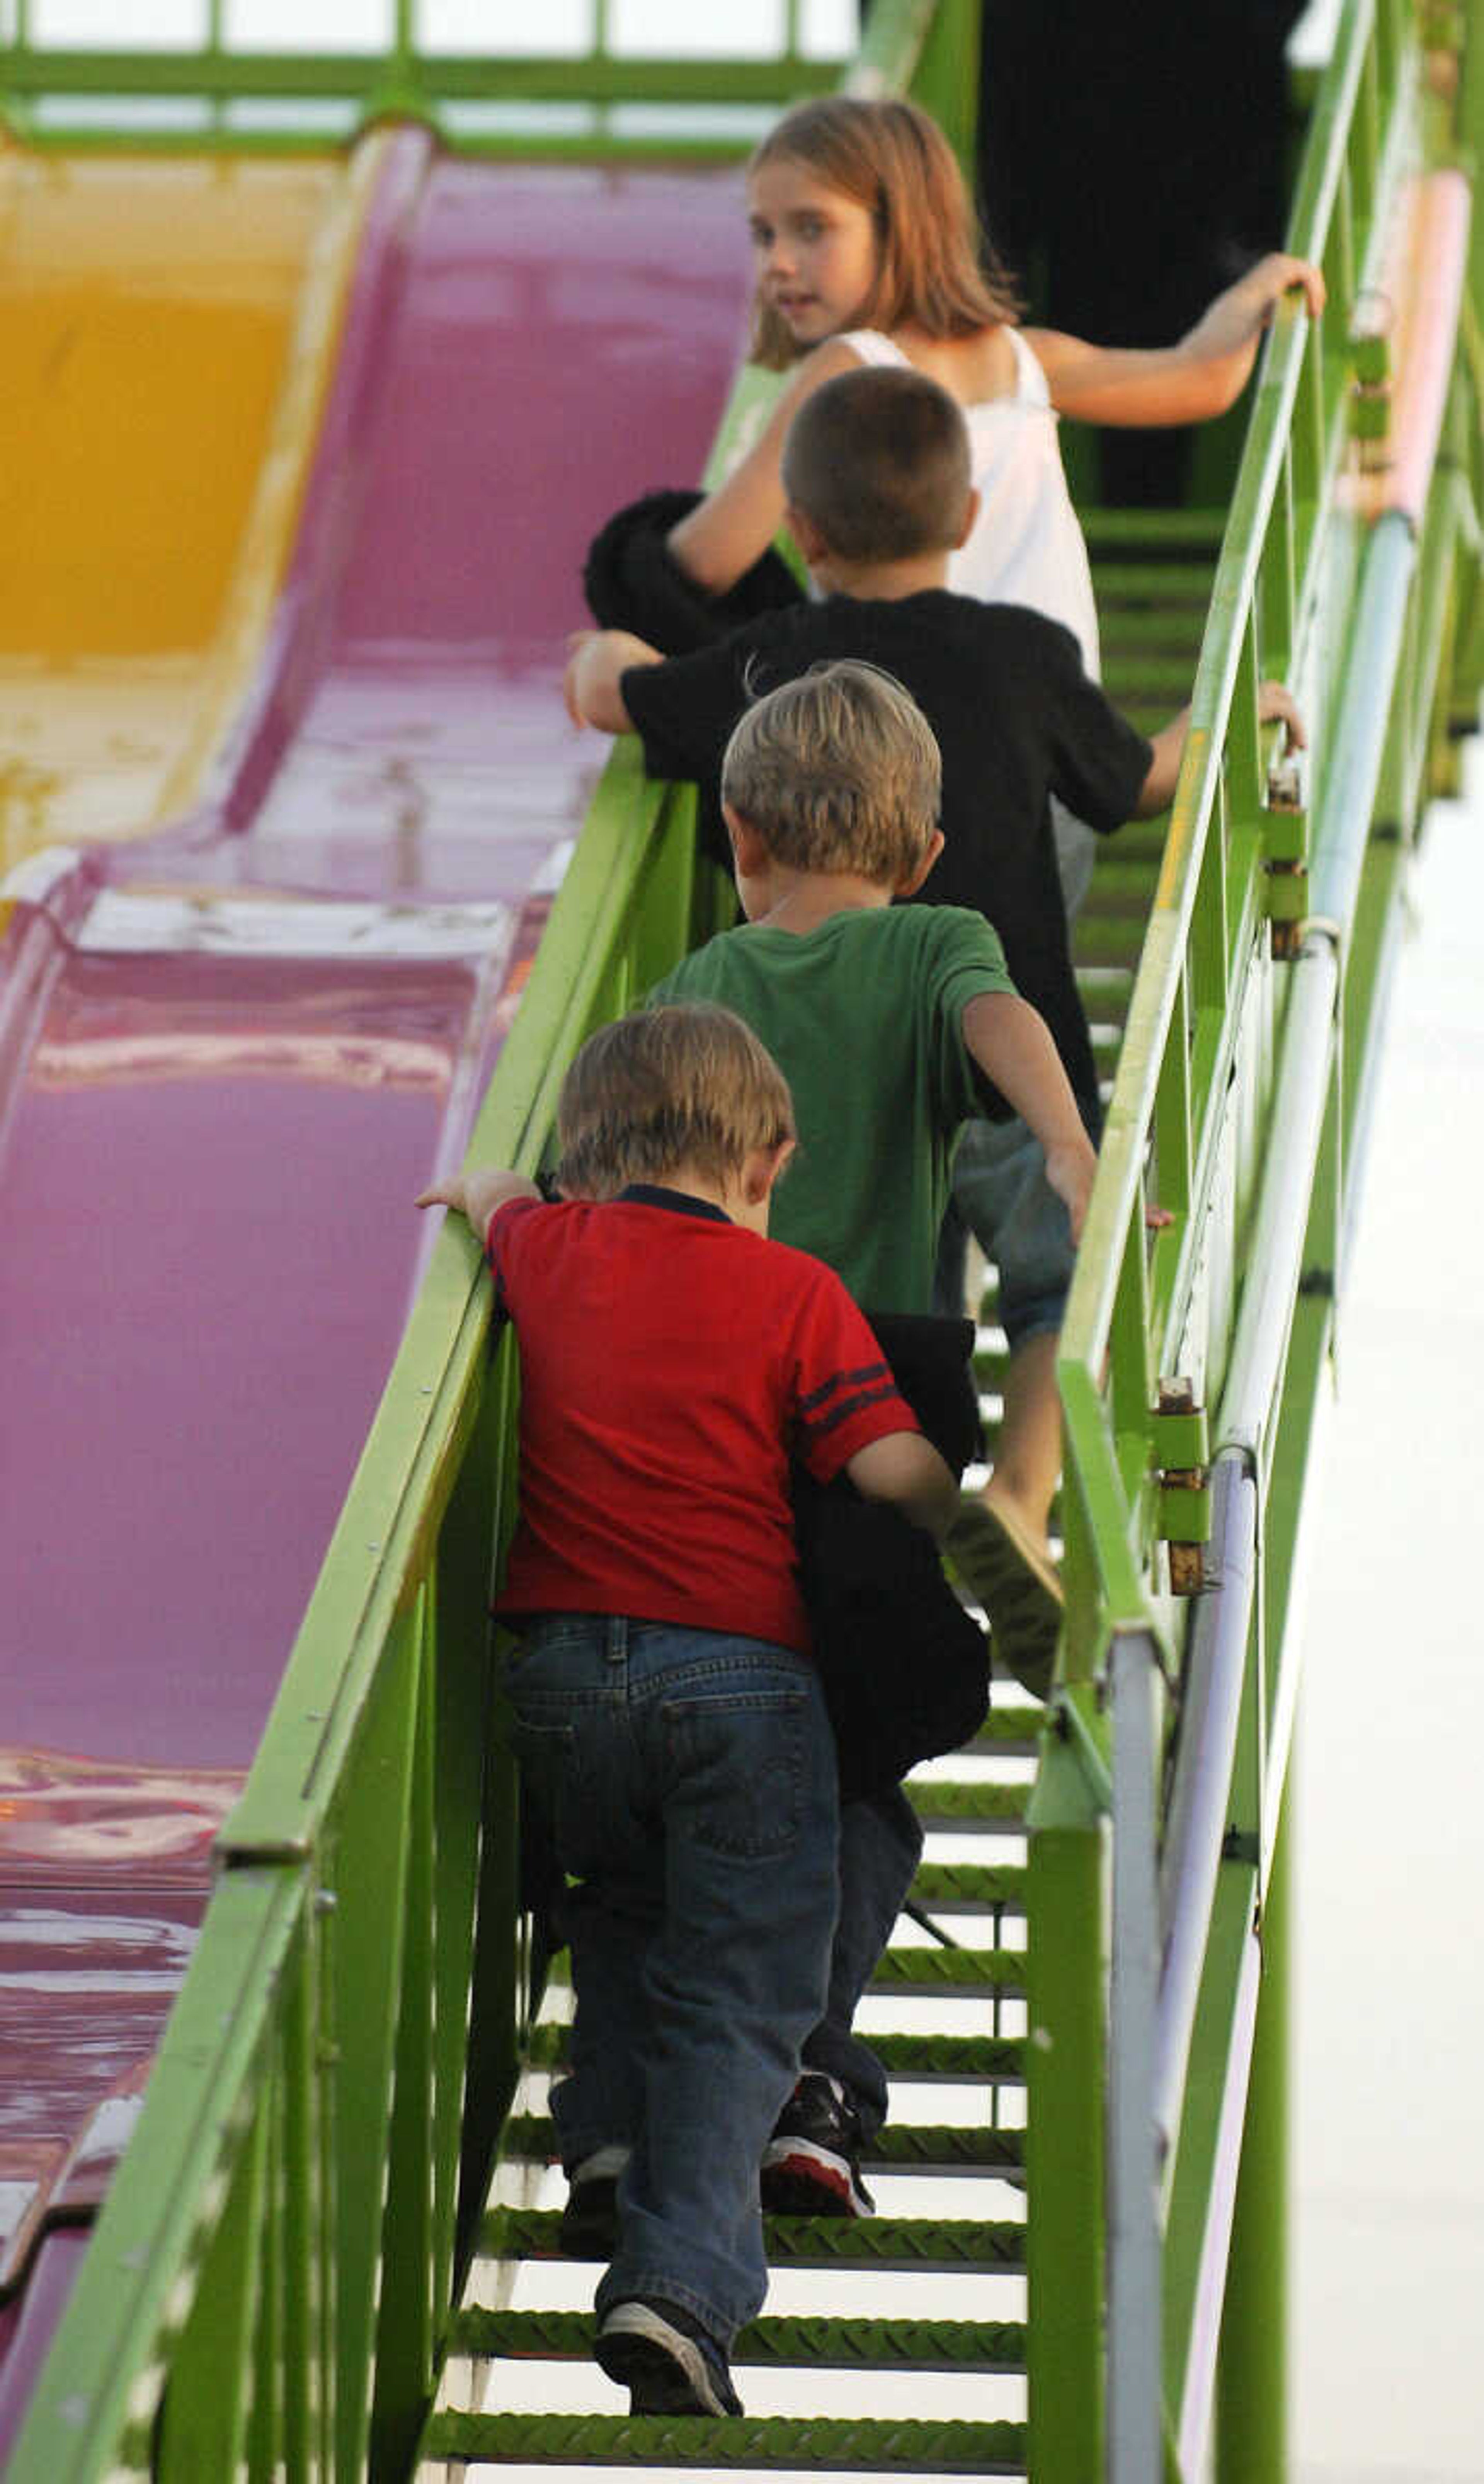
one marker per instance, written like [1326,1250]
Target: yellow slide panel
[167,331]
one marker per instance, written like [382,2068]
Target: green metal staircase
[1154,575]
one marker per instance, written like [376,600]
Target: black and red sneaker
[811,2166]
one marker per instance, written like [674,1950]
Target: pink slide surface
[230,1056]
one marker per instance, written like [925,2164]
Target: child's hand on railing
[1276,705]
[476,1195]
[596,662]
[1247,306]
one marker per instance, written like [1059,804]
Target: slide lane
[167,330]
[232,1052]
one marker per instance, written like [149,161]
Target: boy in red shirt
[670,1724]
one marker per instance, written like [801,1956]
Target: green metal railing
[1234,1109]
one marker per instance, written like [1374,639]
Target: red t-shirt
[670,1364]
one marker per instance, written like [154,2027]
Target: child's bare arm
[1274,705]
[904,1467]
[734,523]
[1198,376]
[596,664]
[476,1195]
[1012,1044]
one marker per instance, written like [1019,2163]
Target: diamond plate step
[880,2449]
[970,1888]
[809,2344]
[937,2147]
[903,2056]
[967,1972]
[1009,1729]
[970,1807]
[949,2245]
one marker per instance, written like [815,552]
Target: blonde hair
[685,1084]
[880,459]
[933,269]
[838,771]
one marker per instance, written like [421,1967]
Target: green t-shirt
[864,1018]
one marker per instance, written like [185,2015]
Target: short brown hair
[838,771]
[685,1084]
[933,269]
[880,459]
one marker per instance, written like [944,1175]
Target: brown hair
[880,459]
[686,1084]
[933,270]
[838,771]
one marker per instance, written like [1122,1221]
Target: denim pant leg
[737,1745]
[690,1781]
[881,1847]
[568,1699]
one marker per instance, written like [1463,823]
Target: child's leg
[999,1547]
[733,1750]
[557,1679]
[811,2164]
[1027,1455]
[881,1847]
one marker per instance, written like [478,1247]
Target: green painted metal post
[1252,2407]
[1066,1982]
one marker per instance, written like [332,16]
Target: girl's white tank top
[1026,546]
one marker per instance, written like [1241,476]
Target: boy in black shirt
[877,469]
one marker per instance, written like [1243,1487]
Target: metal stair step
[878,2447]
[1010,1727]
[927,2148]
[971,1888]
[947,2245]
[950,1970]
[966,1971]
[1154,531]
[903,2056]
[974,1806]
[810,2344]
[989,2058]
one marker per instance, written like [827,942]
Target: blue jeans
[689,1778]
[881,1847]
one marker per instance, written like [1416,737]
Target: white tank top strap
[874,345]
[1033,389]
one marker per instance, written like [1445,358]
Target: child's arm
[1157,792]
[1187,382]
[478,1195]
[904,1467]
[734,524]
[1012,1044]
[596,665]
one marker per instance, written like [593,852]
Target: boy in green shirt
[893,1024]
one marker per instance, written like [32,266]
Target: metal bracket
[1286,858]
[1181,1451]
